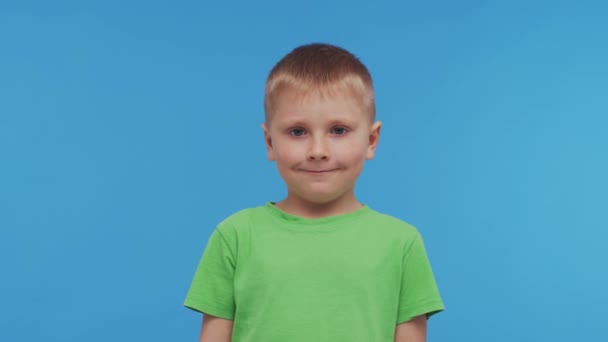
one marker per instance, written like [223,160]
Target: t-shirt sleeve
[419,292]
[212,290]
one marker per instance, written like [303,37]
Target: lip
[319,171]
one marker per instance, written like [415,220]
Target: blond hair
[320,69]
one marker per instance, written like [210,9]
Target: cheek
[286,152]
[353,151]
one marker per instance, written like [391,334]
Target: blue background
[128,130]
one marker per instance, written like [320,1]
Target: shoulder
[239,220]
[394,226]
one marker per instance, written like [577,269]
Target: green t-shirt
[280,277]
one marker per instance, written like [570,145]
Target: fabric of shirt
[280,277]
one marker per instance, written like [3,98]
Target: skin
[413,330]
[319,144]
[215,329]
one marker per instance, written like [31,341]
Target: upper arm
[212,289]
[215,329]
[413,330]
[419,293]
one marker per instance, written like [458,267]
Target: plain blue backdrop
[128,130]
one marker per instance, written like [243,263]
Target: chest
[317,265]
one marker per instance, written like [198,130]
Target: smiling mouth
[319,171]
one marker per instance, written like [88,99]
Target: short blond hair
[320,69]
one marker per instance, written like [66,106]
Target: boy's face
[320,144]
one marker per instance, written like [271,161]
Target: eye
[339,130]
[296,132]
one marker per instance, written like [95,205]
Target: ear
[268,141]
[374,137]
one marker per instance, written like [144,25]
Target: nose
[318,149]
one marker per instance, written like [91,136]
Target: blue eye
[296,132]
[339,130]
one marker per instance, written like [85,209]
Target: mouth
[319,171]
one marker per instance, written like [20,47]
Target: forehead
[293,105]
[288,88]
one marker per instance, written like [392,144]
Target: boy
[319,265]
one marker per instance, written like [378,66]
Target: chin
[320,197]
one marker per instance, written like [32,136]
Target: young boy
[319,265]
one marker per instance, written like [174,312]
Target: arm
[413,330]
[215,329]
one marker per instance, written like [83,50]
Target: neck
[298,206]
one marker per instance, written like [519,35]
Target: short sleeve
[212,290]
[419,293]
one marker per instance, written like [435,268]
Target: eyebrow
[333,122]
[348,122]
